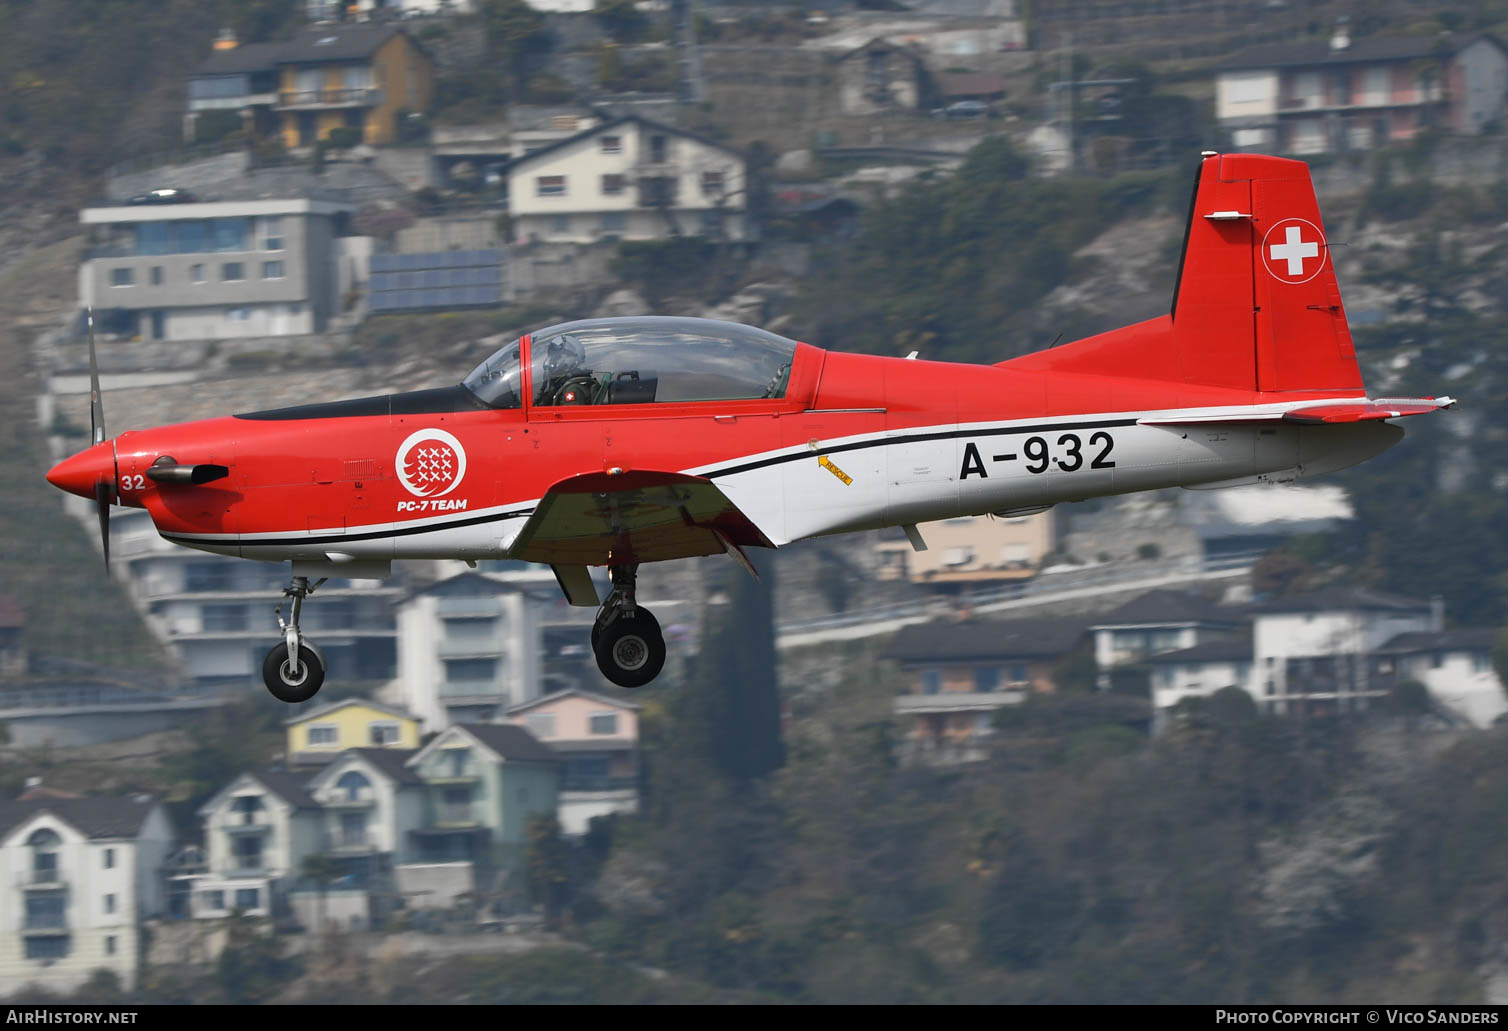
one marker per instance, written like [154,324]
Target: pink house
[597,735]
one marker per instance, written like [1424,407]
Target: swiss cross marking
[1294,250]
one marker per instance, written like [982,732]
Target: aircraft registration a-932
[615,442]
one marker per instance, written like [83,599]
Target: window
[225,617]
[383,733]
[272,270]
[471,670]
[246,809]
[122,277]
[1019,674]
[541,724]
[712,225]
[560,224]
[110,945]
[109,859]
[471,628]
[110,903]
[156,275]
[550,185]
[612,185]
[611,144]
[931,681]
[196,273]
[248,898]
[232,271]
[986,679]
[214,900]
[712,184]
[353,786]
[637,361]
[456,762]
[248,852]
[272,234]
[238,314]
[46,912]
[323,734]
[353,830]
[659,149]
[614,221]
[1436,660]
[47,948]
[603,723]
[44,845]
[495,382]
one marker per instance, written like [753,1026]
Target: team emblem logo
[430,463]
[1294,250]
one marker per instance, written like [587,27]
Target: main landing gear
[626,639]
[294,670]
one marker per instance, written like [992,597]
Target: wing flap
[1325,412]
[636,516]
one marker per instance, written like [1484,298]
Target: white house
[468,648]
[1198,672]
[597,736]
[80,875]
[1309,650]
[629,178]
[1456,667]
[257,832]
[1157,623]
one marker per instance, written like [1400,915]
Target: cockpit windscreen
[497,380]
[644,360]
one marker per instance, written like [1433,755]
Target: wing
[597,519]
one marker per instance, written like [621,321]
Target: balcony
[455,815]
[479,690]
[41,925]
[293,100]
[352,845]
[240,827]
[957,701]
[41,880]
[468,607]
[469,648]
[599,784]
[365,800]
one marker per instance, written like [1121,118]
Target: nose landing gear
[294,670]
[626,639]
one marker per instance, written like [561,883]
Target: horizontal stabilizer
[1327,412]
[621,518]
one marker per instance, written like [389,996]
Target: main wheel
[630,650]
[279,678]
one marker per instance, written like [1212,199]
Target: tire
[283,687]
[630,651]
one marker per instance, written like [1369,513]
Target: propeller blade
[102,491]
[96,402]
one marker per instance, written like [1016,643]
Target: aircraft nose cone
[79,473]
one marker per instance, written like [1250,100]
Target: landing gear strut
[294,670]
[626,639]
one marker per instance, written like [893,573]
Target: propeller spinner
[92,473]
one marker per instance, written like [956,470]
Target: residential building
[468,648]
[1354,94]
[1197,672]
[216,613]
[981,86]
[238,78]
[484,783]
[1157,623]
[214,269]
[961,672]
[358,76]
[972,549]
[597,738]
[1455,665]
[629,178]
[80,876]
[327,731]
[881,77]
[1309,652]
[258,830]
[372,802]
[12,635]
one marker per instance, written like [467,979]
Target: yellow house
[323,733]
[357,76]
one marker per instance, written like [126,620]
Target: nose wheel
[294,670]
[626,639]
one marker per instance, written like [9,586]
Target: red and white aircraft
[622,441]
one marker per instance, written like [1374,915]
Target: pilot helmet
[563,356]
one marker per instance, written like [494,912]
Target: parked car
[966,109]
[165,196]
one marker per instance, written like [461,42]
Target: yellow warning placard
[827,464]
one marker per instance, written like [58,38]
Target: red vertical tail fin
[1256,305]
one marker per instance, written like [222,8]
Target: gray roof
[601,696]
[1364,48]
[346,42]
[1238,650]
[973,640]
[1342,599]
[512,743]
[393,762]
[96,817]
[292,788]
[613,124]
[1470,639]
[250,57]
[1162,608]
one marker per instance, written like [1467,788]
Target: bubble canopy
[637,361]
